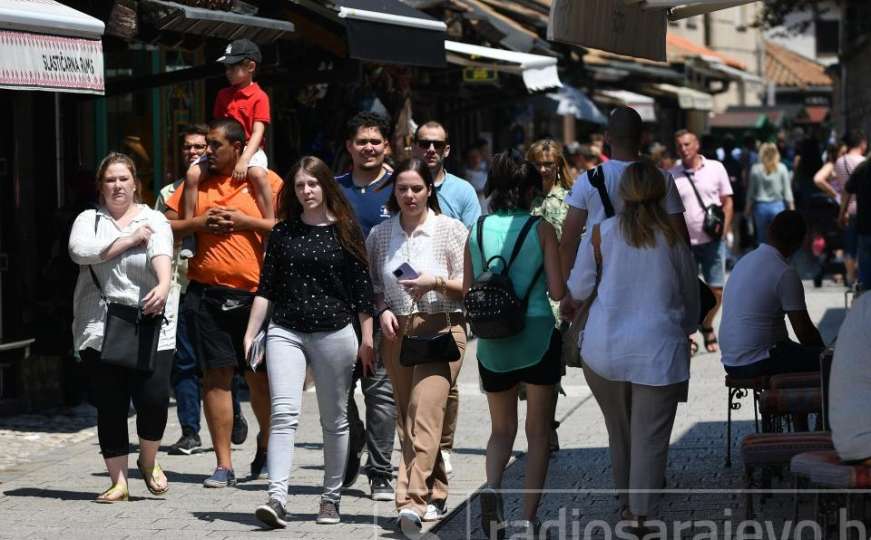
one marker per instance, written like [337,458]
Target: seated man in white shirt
[850,385]
[761,291]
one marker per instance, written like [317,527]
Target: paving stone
[51,462]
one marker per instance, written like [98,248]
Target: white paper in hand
[257,350]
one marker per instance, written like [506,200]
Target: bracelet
[441,285]
[380,313]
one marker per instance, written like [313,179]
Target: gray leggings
[332,356]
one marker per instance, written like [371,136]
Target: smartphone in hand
[405,271]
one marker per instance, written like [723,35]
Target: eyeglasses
[424,144]
[194,146]
[364,142]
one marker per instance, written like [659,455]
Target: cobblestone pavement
[50,471]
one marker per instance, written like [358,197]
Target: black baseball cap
[241,49]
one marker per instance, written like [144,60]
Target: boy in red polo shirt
[245,102]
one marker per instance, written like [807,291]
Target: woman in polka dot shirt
[315,280]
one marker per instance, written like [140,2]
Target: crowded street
[48,466]
[435,269]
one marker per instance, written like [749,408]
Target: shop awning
[746,119]
[645,105]
[389,32]
[539,72]
[631,27]
[572,101]
[227,25]
[687,98]
[48,46]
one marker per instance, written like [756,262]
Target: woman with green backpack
[511,265]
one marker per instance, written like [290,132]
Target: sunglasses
[424,144]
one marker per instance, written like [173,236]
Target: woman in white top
[636,355]
[129,248]
[416,261]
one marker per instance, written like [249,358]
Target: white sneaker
[446,459]
[409,523]
[435,512]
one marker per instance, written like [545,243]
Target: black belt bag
[440,347]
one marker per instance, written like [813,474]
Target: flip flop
[709,331]
[152,477]
[116,493]
[694,347]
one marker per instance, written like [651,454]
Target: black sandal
[709,331]
[694,347]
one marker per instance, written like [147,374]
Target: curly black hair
[366,119]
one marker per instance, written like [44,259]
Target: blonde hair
[769,156]
[549,146]
[642,189]
[115,158]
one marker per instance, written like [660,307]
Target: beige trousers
[639,419]
[421,394]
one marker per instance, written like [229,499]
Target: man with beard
[224,275]
[368,188]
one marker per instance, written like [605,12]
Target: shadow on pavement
[65,495]
[244,518]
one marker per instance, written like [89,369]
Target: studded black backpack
[493,308]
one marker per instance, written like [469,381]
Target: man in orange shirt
[224,275]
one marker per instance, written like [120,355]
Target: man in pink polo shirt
[712,183]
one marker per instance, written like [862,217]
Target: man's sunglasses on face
[424,144]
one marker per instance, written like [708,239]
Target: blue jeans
[865,260]
[763,215]
[186,381]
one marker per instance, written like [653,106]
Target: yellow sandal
[152,477]
[116,493]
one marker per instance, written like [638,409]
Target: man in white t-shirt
[585,203]
[762,290]
[850,385]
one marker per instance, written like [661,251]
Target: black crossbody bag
[438,347]
[715,217]
[130,337]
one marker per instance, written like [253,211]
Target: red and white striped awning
[45,45]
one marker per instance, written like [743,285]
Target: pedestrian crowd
[379,275]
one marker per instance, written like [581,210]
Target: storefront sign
[479,75]
[53,63]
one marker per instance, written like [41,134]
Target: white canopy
[48,17]
[539,72]
[45,45]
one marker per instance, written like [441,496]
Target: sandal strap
[114,488]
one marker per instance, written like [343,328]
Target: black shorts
[548,371]
[217,318]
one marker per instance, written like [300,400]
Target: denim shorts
[711,260]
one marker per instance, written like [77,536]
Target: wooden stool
[771,453]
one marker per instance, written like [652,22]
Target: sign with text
[479,75]
[51,63]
